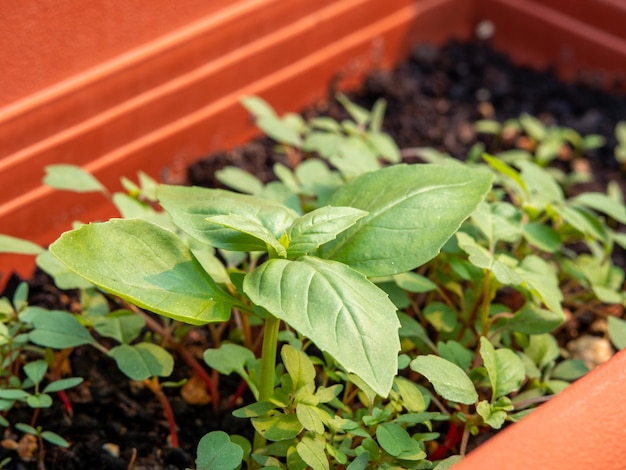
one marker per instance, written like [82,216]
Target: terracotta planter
[119,88]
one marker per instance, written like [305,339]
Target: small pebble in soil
[592,350]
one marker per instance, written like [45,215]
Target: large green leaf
[189,208]
[413,211]
[336,307]
[217,452]
[146,265]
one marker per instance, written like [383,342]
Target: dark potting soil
[433,99]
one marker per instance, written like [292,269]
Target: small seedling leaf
[20,246]
[277,426]
[313,452]
[396,441]
[123,326]
[236,178]
[343,313]
[258,106]
[299,366]
[72,178]
[217,452]
[57,329]
[309,417]
[229,358]
[534,320]
[448,379]
[54,438]
[617,332]
[542,349]
[36,370]
[506,370]
[62,384]
[41,400]
[604,204]
[143,360]
[146,265]
[415,209]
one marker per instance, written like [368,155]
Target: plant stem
[268,368]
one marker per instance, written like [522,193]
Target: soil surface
[433,99]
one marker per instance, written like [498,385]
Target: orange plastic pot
[117,87]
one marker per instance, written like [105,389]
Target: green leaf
[36,370]
[602,203]
[142,361]
[384,146]
[320,226]
[542,349]
[337,308]
[533,320]
[26,428]
[13,394]
[449,380]
[54,438]
[254,410]
[123,326]
[236,178]
[298,365]
[257,106]
[41,400]
[455,353]
[492,417]
[541,279]
[62,384]
[571,369]
[189,208]
[312,451]
[483,258]
[584,221]
[617,332]
[506,370]
[413,282]
[309,417]
[397,442]
[217,452]
[358,113]
[276,426]
[20,246]
[506,170]
[260,238]
[146,265]
[542,186]
[229,358]
[542,236]
[279,130]
[72,178]
[412,398]
[448,463]
[414,209]
[57,329]
[64,278]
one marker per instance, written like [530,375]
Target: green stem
[268,368]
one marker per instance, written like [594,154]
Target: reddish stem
[454,436]
[155,387]
[67,404]
[243,385]
[201,372]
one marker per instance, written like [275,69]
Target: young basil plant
[315,277]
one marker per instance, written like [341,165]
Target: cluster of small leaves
[331,250]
